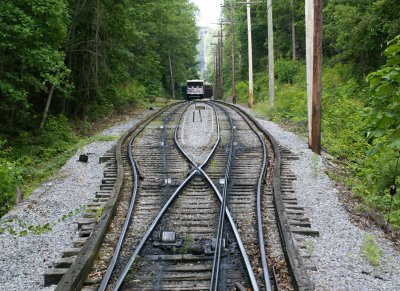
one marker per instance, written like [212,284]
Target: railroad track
[196,208]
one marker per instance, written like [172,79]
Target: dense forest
[361,82]
[64,60]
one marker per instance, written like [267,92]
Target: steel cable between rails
[242,249]
[218,249]
[114,259]
[264,263]
[165,207]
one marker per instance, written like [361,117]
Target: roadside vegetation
[32,157]
[85,59]
[361,96]
[371,251]
[365,149]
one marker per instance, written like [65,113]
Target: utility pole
[271,63]
[233,55]
[221,59]
[313,12]
[293,12]
[218,72]
[250,100]
[215,76]
[217,86]
[221,90]
[171,76]
[217,89]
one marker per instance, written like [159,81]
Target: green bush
[261,87]
[9,178]
[57,132]
[131,93]
[35,156]
[286,70]
[242,92]
[366,147]
[384,100]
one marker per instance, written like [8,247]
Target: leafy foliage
[384,103]
[9,176]
[286,70]
[346,131]
[373,23]
[360,125]
[32,34]
[97,55]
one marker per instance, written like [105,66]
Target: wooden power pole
[215,77]
[222,58]
[233,55]
[271,62]
[313,12]
[293,12]
[250,100]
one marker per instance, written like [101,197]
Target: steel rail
[165,207]
[297,271]
[78,271]
[111,266]
[218,245]
[263,256]
[242,249]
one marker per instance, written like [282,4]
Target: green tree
[356,32]
[32,58]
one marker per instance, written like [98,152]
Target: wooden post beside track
[233,55]
[250,101]
[313,11]
[271,62]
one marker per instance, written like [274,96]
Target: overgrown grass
[24,229]
[345,130]
[370,250]
[28,159]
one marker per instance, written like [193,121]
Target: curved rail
[264,263]
[111,266]
[198,169]
[78,271]
[228,214]
[164,209]
[218,248]
[298,273]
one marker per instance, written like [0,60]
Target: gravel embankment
[27,246]
[337,251]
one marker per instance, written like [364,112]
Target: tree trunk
[171,76]
[46,109]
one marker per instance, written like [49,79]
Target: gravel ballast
[337,251]
[38,229]
[197,132]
